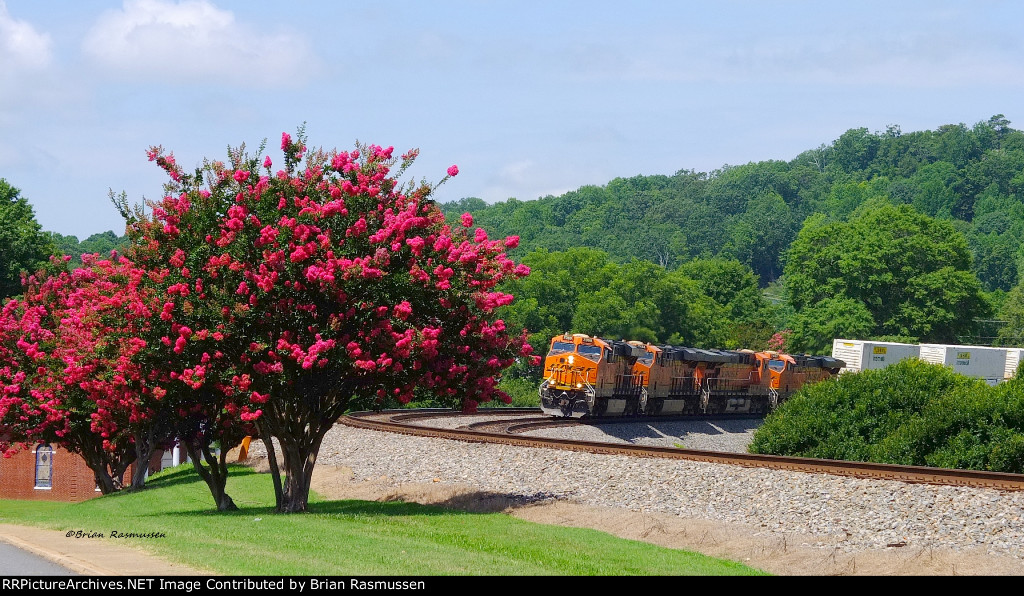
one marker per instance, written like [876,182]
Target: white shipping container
[863,355]
[974,361]
[1012,360]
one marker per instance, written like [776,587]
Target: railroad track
[508,432]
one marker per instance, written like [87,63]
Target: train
[587,376]
[990,363]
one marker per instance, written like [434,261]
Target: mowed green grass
[348,537]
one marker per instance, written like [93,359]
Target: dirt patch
[777,554]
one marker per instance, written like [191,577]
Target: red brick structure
[24,476]
[49,473]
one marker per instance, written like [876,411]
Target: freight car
[866,355]
[591,376]
[993,364]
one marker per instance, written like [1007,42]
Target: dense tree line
[886,271]
[704,303]
[972,176]
[101,244]
[957,192]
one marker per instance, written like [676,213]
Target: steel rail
[384,421]
[404,415]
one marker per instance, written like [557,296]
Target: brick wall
[71,479]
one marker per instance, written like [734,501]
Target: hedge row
[910,413]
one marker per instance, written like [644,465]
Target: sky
[528,98]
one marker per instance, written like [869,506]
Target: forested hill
[971,175]
[101,244]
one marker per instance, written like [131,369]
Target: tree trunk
[103,480]
[117,471]
[275,471]
[215,474]
[299,430]
[139,474]
[295,496]
[299,461]
[144,445]
[107,467]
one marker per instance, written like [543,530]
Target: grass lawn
[349,537]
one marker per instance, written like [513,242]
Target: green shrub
[1008,454]
[910,413]
[523,392]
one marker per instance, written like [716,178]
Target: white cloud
[28,78]
[527,179]
[517,173]
[21,46]
[184,40]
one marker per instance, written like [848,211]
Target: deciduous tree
[69,371]
[24,247]
[910,272]
[330,285]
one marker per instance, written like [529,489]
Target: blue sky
[528,98]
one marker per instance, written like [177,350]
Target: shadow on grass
[470,503]
[358,508]
[473,503]
[463,503]
[186,474]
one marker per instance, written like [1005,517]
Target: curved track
[403,422]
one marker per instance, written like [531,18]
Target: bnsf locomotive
[590,376]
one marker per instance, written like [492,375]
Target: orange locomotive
[590,376]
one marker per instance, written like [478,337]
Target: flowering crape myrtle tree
[109,311]
[189,376]
[329,286]
[67,368]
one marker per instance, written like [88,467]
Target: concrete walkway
[90,556]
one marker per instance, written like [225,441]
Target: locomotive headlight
[579,385]
[571,358]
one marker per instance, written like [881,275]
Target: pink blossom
[467,220]
[403,310]
[251,416]
[453,170]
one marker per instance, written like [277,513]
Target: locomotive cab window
[777,365]
[647,359]
[590,352]
[561,347]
